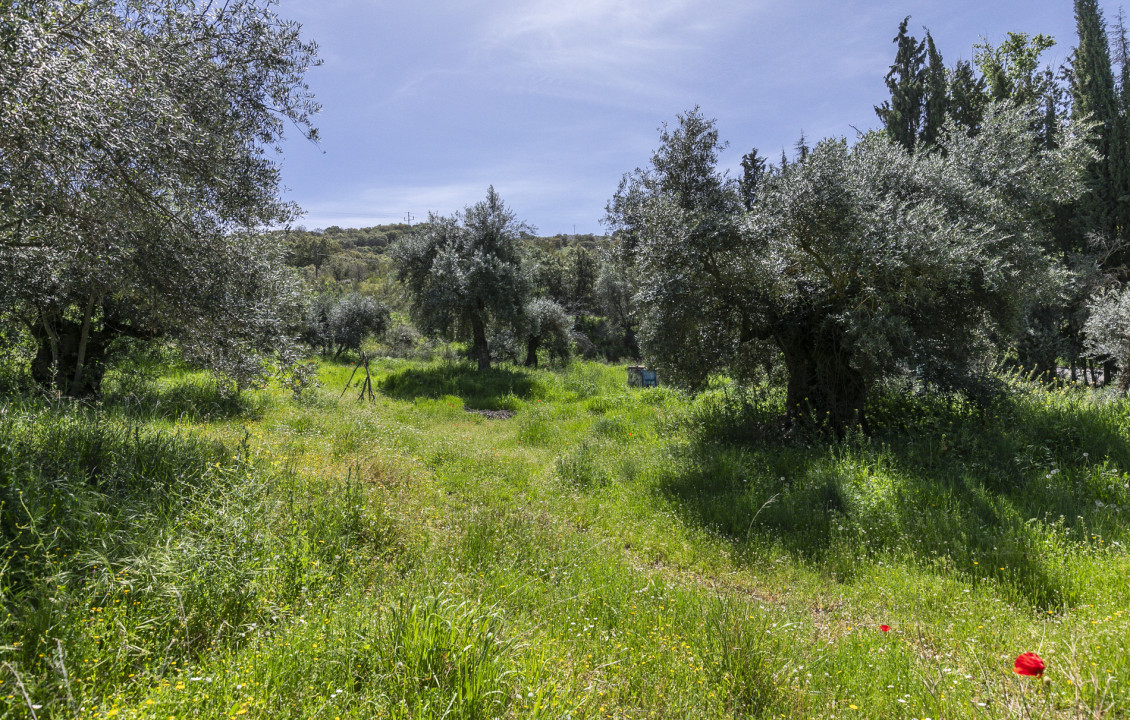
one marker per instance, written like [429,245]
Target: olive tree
[339,323]
[860,263]
[1107,331]
[464,272]
[137,171]
[547,324]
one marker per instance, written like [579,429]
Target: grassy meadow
[603,552]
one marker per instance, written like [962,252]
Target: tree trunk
[67,363]
[1108,372]
[84,340]
[480,351]
[631,343]
[824,390]
[532,346]
[46,361]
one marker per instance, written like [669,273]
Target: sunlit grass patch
[603,552]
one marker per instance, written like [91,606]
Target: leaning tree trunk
[824,390]
[532,346]
[480,351]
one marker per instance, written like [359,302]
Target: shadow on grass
[69,474]
[1006,497]
[493,389]
[191,399]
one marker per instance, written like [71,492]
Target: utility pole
[408,217]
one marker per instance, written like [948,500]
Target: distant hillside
[334,239]
[377,237]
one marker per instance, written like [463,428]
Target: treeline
[575,300]
[1088,236]
[985,219]
[989,216]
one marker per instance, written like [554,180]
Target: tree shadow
[1004,497]
[492,389]
[190,399]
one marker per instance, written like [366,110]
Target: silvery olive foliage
[857,264]
[338,323]
[464,272]
[137,166]
[1107,330]
[546,325]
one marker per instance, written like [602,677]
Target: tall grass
[604,552]
[130,552]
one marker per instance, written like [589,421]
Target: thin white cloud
[428,102]
[631,46]
[525,191]
[604,51]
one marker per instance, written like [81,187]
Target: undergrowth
[594,551]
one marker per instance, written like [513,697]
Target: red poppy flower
[885,628]
[1029,664]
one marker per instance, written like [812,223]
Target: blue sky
[427,103]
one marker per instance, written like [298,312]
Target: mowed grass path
[604,552]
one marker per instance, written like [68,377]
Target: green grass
[605,552]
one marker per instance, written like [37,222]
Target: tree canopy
[465,271]
[137,166]
[546,324]
[860,263]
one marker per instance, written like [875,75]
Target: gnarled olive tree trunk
[533,343]
[824,389]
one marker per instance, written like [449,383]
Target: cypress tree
[802,148]
[753,175]
[1094,96]
[1120,146]
[1051,101]
[967,96]
[902,114]
[936,94]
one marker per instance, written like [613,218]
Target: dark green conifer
[937,100]
[802,148]
[1093,96]
[1120,145]
[967,96]
[902,114]
[753,175]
